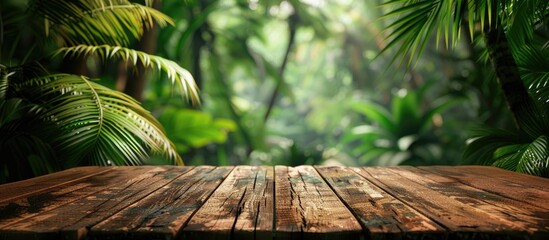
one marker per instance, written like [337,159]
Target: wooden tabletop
[265,202]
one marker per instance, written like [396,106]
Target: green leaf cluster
[194,129]
[417,21]
[523,25]
[403,133]
[51,121]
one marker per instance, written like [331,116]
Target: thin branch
[291,39]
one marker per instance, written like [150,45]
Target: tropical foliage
[408,133]
[515,40]
[243,53]
[199,129]
[281,81]
[51,121]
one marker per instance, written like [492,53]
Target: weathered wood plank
[463,221]
[21,208]
[163,213]
[46,182]
[497,174]
[306,207]
[380,214]
[237,208]
[280,202]
[520,191]
[72,221]
[256,218]
[525,217]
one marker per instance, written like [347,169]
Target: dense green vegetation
[52,117]
[281,82]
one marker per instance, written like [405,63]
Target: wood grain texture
[256,218]
[516,186]
[20,208]
[239,207]
[462,221]
[497,174]
[46,182]
[379,213]
[521,216]
[163,213]
[306,207]
[266,202]
[72,221]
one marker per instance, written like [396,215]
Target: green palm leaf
[512,150]
[533,62]
[540,91]
[518,20]
[111,22]
[418,19]
[486,140]
[97,125]
[533,157]
[416,22]
[178,75]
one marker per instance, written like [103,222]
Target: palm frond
[534,68]
[178,75]
[486,140]
[531,158]
[4,84]
[94,124]
[506,156]
[521,21]
[24,153]
[540,91]
[111,22]
[521,17]
[535,160]
[417,21]
[511,150]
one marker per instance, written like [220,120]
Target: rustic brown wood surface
[266,202]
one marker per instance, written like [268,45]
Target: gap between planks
[73,219]
[380,214]
[300,190]
[470,217]
[245,207]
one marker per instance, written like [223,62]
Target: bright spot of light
[283,9]
[315,3]
[253,4]
[402,92]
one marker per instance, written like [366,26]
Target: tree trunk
[134,83]
[197,43]
[507,72]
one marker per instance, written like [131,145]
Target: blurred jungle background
[286,82]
